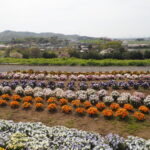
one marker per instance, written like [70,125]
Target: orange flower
[87,104]
[139,116]
[107,113]
[63,101]
[76,103]
[143,109]
[3,102]
[80,110]
[66,108]
[5,97]
[26,105]
[38,100]
[52,100]
[114,106]
[27,99]
[52,107]
[122,113]
[16,97]
[14,104]
[92,111]
[100,105]
[128,107]
[39,106]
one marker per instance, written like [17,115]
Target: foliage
[76,62]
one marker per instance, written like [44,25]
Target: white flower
[70,95]
[6,89]
[94,98]
[127,95]
[28,90]
[147,101]
[59,93]
[37,89]
[139,94]
[122,100]
[90,92]
[48,92]
[38,94]
[108,99]
[135,100]
[102,93]
[19,90]
[115,94]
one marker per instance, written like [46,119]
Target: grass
[133,126]
[75,62]
[70,123]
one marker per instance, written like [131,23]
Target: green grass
[75,62]
[133,126]
[70,123]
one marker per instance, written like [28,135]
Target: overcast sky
[107,18]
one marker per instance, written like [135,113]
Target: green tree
[35,52]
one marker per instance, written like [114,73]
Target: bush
[74,53]
[147,54]
[49,55]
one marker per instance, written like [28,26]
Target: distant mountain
[9,35]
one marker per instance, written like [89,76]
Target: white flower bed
[37,136]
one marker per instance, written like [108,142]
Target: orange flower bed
[139,116]
[87,104]
[14,104]
[28,99]
[52,100]
[76,103]
[80,110]
[26,105]
[5,96]
[114,106]
[52,107]
[39,99]
[16,97]
[63,101]
[128,107]
[100,105]
[107,113]
[92,111]
[3,102]
[122,113]
[66,108]
[39,106]
[143,109]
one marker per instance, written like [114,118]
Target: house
[107,51]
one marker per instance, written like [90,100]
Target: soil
[98,124]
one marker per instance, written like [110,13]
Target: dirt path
[4,68]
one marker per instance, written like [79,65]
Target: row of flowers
[83,85]
[81,108]
[37,136]
[79,77]
[137,99]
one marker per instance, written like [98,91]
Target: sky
[97,18]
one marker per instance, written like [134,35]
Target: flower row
[137,99]
[83,85]
[37,136]
[80,77]
[81,107]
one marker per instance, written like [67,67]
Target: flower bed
[35,136]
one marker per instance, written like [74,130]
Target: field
[115,102]
[75,62]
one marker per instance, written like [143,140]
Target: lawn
[75,62]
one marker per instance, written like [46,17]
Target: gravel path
[4,68]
